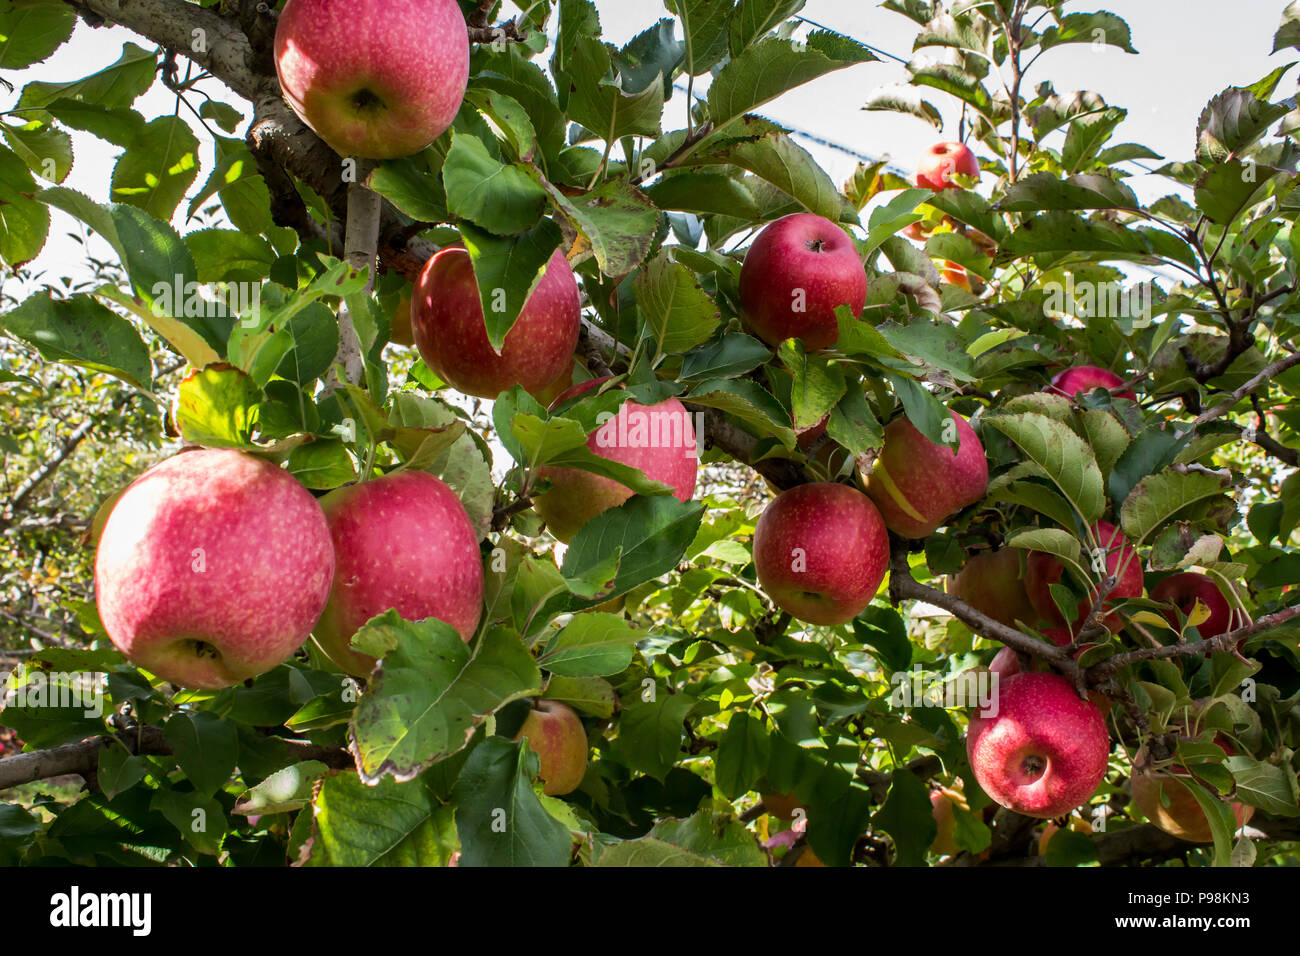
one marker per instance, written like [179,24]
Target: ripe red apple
[212,568]
[918,485]
[993,583]
[1184,590]
[657,439]
[1169,803]
[556,735]
[1043,570]
[1084,378]
[403,542]
[821,551]
[400,331]
[374,78]
[797,271]
[1044,752]
[941,161]
[450,333]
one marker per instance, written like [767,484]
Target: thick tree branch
[83,758]
[902,586]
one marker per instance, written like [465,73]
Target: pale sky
[1189,51]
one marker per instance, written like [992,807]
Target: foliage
[696,692]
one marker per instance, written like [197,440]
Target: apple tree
[984,554]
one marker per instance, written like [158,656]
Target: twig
[1268,373]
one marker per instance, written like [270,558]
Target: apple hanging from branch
[376,79]
[449,330]
[402,542]
[821,551]
[555,733]
[212,568]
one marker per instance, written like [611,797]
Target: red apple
[403,542]
[657,439]
[1184,590]
[941,161]
[955,274]
[374,78]
[555,733]
[1084,378]
[1043,570]
[212,568]
[993,583]
[1169,803]
[918,485]
[450,333]
[795,274]
[1044,751]
[821,551]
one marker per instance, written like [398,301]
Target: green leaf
[115,86]
[926,413]
[908,817]
[584,75]
[754,19]
[119,125]
[591,645]
[704,26]
[507,270]
[198,818]
[24,222]
[770,67]
[1219,815]
[501,199]
[882,629]
[80,331]
[749,402]
[936,344]
[1230,188]
[1107,437]
[670,299]
[703,192]
[1085,137]
[1068,848]
[1049,540]
[1043,191]
[653,532]
[1157,498]
[429,692]
[498,816]
[1093,28]
[731,356]
[591,695]
[29,32]
[650,733]
[387,824]
[616,218]
[18,829]
[158,167]
[322,465]
[118,770]
[217,406]
[898,98]
[1062,454]
[206,747]
[1231,122]
[817,384]
[46,150]
[240,187]
[711,835]
[650,851]
[952,79]
[1263,785]
[742,755]
[226,255]
[777,159]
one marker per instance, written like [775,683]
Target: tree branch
[1268,373]
[83,758]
